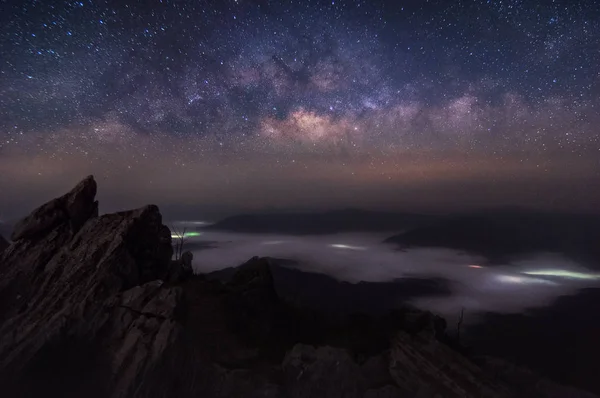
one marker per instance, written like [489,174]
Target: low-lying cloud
[533,282]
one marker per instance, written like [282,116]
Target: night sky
[213,107]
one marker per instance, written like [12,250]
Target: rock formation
[72,282]
[91,306]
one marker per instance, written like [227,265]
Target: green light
[186,235]
[563,274]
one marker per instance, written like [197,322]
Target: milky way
[237,104]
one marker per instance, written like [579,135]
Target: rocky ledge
[94,306]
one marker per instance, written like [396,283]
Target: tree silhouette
[180,239]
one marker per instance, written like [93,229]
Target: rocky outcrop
[72,279]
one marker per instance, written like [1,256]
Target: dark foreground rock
[93,306]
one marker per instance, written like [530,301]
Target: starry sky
[217,107]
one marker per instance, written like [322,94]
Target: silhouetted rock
[74,208]
[71,278]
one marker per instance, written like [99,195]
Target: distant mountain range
[499,235]
[348,220]
[503,234]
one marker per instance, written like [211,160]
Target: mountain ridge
[500,236]
[327,222]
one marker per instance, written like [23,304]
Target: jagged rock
[74,208]
[38,238]
[326,372]
[75,298]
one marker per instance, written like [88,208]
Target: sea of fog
[535,281]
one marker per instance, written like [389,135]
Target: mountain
[323,292]
[349,220]
[88,307]
[502,235]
